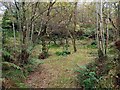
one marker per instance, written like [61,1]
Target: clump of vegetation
[92,45]
[12,73]
[91,75]
[54,46]
[63,53]
[86,77]
[43,55]
[31,66]
[6,55]
[16,74]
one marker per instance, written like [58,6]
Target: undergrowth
[17,74]
[63,53]
[93,74]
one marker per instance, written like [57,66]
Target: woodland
[60,44]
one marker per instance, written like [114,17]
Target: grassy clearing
[58,71]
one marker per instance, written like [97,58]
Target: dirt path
[59,71]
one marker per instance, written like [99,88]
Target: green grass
[58,71]
[62,68]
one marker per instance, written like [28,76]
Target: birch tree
[100,29]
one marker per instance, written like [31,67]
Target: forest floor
[59,71]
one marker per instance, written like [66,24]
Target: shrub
[93,74]
[86,77]
[82,37]
[54,46]
[8,65]
[63,53]
[13,73]
[6,56]
[17,74]
[58,53]
[32,64]
[92,45]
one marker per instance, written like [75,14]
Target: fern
[6,53]
[86,77]
[11,65]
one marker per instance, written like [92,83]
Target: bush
[63,53]
[31,65]
[6,56]
[112,51]
[54,46]
[82,37]
[17,74]
[91,75]
[8,65]
[92,45]
[14,74]
[86,77]
[58,53]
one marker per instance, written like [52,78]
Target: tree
[100,30]
[44,29]
[75,12]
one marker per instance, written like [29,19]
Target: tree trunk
[100,31]
[32,29]
[107,31]
[74,45]
[66,46]
[44,29]
[75,23]
[97,32]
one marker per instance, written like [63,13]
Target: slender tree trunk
[14,40]
[66,39]
[32,29]
[101,49]
[14,34]
[20,30]
[101,26]
[75,23]
[100,30]
[54,40]
[44,30]
[28,34]
[106,29]
[97,36]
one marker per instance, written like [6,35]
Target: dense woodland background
[60,44]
